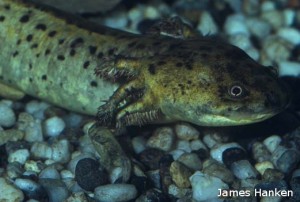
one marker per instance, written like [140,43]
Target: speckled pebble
[213,168]
[190,160]
[180,174]
[263,166]
[31,126]
[34,166]
[7,116]
[54,126]
[10,135]
[115,192]
[9,193]
[20,156]
[206,187]
[162,139]
[89,174]
[186,131]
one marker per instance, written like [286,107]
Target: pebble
[260,152]
[20,156]
[295,185]
[213,168]
[240,40]
[258,27]
[272,142]
[207,25]
[10,135]
[292,35]
[206,187]
[272,175]
[177,153]
[54,126]
[14,170]
[155,178]
[236,24]
[31,126]
[77,197]
[217,151]
[138,144]
[89,174]
[180,174]
[7,116]
[115,192]
[288,68]
[151,157]
[289,17]
[213,138]
[36,108]
[183,145]
[49,172]
[197,144]
[162,139]
[186,131]
[153,195]
[190,160]
[261,167]
[56,189]
[31,189]
[274,17]
[179,192]
[9,193]
[243,169]
[285,159]
[34,166]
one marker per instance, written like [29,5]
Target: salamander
[131,79]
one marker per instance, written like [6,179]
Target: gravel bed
[46,154]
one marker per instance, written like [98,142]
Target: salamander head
[224,87]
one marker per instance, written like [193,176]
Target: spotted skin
[143,78]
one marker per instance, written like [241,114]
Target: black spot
[52,33]
[38,55]
[72,52]
[2,18]
[100,55]
[34,46]
[61,84]
[61,57]
[7,7]
[41,27]
[131,44]
[92,49]
[29,37]
[61,41]
[30,65]
[47,51]
[94,84]
[44,77]
[151,69]
[161,63]
[189,66]
[30,80]
[86,64]
[19,41]
[15,53]
[24,19]
[111,51]
[179,64]
[189,82]
[76,42]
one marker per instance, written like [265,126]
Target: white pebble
[9,193]
[258,27]
[7,116]
[161,139]
[235,24]
[217,152]
[207,25]
[185,131]
[290,34]
[115,192]
[138,144]
[289,17]
[197,144]
[20,156]
[206,187]
[31,126]
[36,108]
[151,12]
[54,126]
[253,53]
[243,170]
[276,48]
[272,142]
[240,40]
[287,68]
[176,153]
[66,174]
[118,21]
[268,6]
[275,18]
[184,145]
[49,172]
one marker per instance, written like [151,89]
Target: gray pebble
[32,189]
[7,116]
[49,172]
[161,139]
[56,189]
[186,131]
[115,192]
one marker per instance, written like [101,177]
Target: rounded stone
[89,174]
[161,139]
[115,192]
[7,116]
[191,160]
[9,192]
[185,131]
[180,174]
[54,126]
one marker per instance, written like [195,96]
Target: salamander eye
[236,91]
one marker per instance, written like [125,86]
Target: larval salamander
[77,65]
